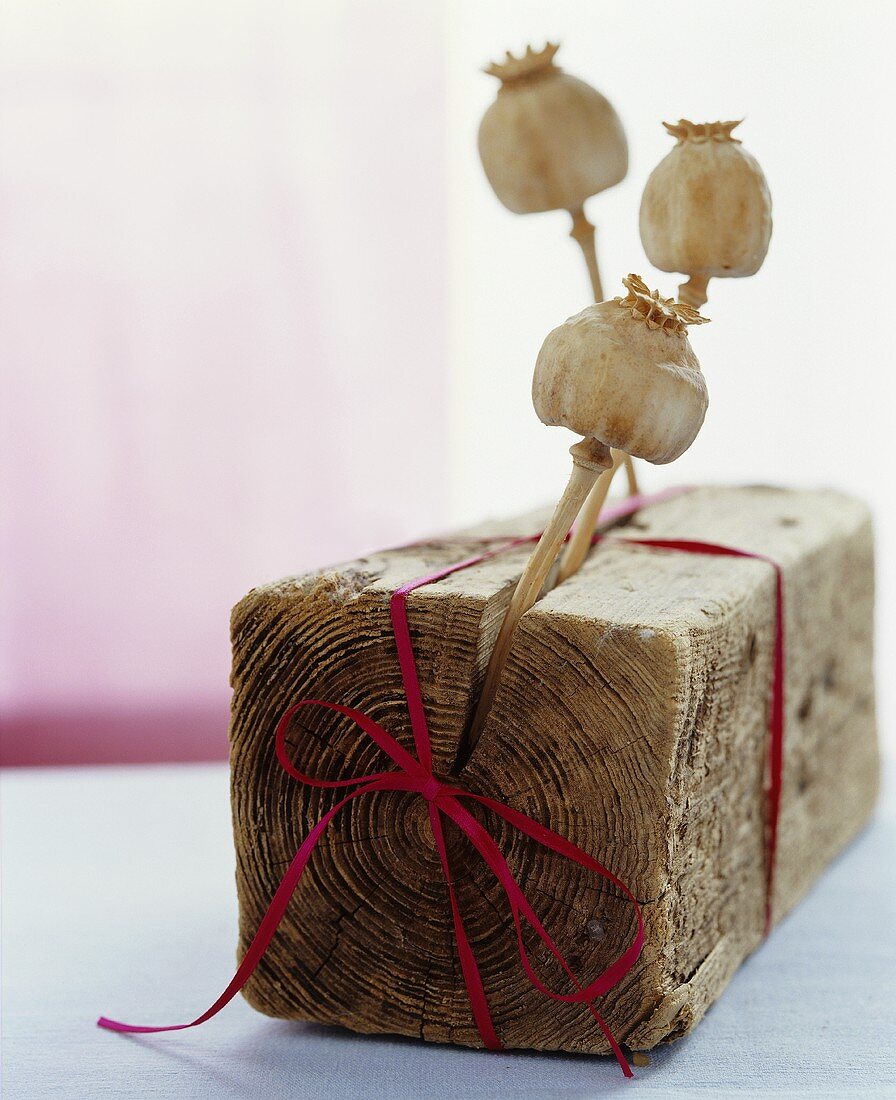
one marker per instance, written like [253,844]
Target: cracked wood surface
[632,718]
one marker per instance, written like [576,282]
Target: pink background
[235,342]
[222,279]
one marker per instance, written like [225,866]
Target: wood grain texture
[631,717]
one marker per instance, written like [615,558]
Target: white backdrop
[799,358]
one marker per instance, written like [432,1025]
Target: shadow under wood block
[632,718]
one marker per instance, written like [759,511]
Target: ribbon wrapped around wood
[445,798]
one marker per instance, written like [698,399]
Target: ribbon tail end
[133,1029]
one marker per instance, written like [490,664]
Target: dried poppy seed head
[549,141]
[623,372]
[706,210]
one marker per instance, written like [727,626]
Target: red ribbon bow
[416,774]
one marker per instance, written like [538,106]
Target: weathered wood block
[632,718]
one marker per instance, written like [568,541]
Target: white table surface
[118,899]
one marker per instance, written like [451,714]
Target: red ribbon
[416,774]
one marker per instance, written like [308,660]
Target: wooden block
[632,718]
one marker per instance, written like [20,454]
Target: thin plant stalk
[585,236]
[580,543]
[590,460]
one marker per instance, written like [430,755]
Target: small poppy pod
[624,372]
[549,141]
[706,209]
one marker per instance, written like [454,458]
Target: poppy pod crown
[531,64]
[685,130]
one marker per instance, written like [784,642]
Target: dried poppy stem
[584,233]
[631,475]
[590,459]
[580,543]
[578,546]
[693,292]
